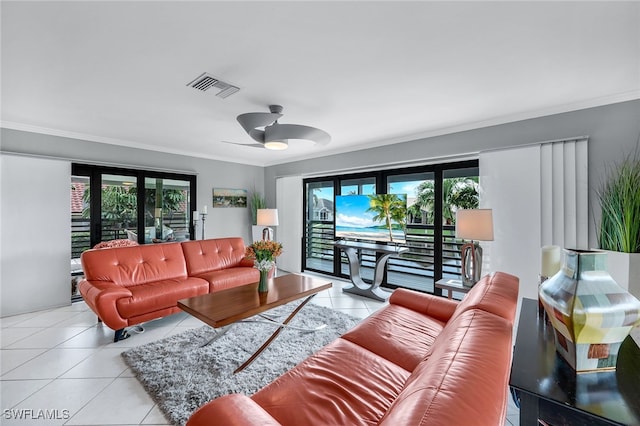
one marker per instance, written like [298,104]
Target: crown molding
[119,142]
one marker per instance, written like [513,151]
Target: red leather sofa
[126,286]
[420,360]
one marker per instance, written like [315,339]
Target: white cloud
[354,221]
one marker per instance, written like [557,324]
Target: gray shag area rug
[181,376]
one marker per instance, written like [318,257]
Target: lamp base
[267,234]
[471,263]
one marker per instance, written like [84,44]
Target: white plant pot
[624,268]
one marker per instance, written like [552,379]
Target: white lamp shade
[474,224]
[267,217]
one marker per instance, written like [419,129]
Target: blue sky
[351,211]
[408,188]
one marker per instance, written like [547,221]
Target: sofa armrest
[232,410]
[101,296]
[246,262]
[434,306]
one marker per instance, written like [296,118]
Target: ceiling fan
[264,128]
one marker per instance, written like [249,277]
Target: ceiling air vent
[206,81]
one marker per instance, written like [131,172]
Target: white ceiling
[369,73]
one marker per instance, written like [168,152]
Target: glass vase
[263,284]
[590,313]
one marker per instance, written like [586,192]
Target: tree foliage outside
[120,203]
[172,200]
[388,208]
[457,193]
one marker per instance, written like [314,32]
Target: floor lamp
[475,225]
[267,218]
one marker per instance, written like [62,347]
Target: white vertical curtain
[290,215]
[35,234]
[539,196]
[564,193]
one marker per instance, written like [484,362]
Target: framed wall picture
[224,197]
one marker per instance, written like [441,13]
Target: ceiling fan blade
[250,145]
[257,135]
[253,120]
[296,131]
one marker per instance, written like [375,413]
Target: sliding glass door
[415,269]
[433,194]
[110,203]
[118,206]
[319,226]
[166,213]
[459,191]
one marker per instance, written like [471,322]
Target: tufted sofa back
[127,266]
[212,255]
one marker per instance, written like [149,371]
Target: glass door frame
[95,172]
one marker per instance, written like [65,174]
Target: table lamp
[475,225]
[267,218]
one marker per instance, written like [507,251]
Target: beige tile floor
[61,361]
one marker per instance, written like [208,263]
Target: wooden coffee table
[226,308]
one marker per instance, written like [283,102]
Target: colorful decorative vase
[590,313]
[263,284]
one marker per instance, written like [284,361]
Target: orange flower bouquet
[264,255]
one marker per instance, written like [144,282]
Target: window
[110,203]
[415,269]
[319,225]
[433,195]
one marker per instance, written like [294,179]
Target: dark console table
[360,287]
[550,390]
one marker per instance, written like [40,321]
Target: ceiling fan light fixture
[277,145]
[264,128]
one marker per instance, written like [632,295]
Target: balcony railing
[81,235]
[414,269]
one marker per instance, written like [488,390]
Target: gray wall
[41,150]
[613,132]
[210,173]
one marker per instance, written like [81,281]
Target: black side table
[452,285]
[550,390]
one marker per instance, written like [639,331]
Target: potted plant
[257,201]
[264,255]
[619,232]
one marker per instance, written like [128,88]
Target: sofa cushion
[212,255]
[494,293]
[459,381]
[401,335]
[230,277]
[141,264]
[342,384]
[155,296]
[225,411]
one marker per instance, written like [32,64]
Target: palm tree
[457,193]
[388,207]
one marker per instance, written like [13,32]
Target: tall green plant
[619,199]
[257,202]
